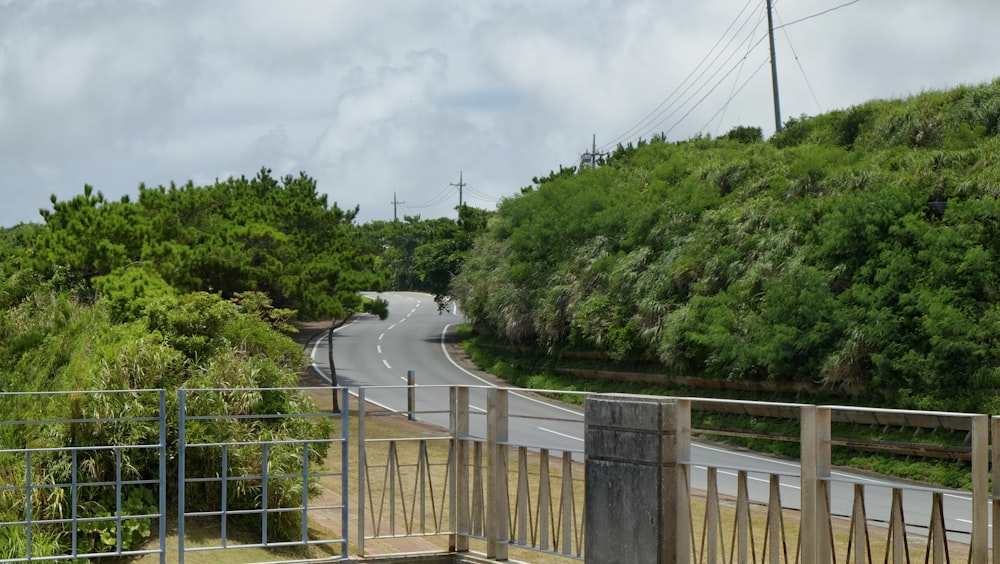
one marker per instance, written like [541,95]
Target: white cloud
[380,97]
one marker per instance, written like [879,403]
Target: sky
[385,101]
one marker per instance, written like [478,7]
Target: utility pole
[460,186]
[395,203]
[774,70]
[590,159]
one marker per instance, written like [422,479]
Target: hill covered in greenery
[855,251]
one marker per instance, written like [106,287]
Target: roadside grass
[531,373]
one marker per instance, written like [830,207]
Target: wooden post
[497,529]
[459,499]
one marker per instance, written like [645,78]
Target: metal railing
[52,494]
[464,491]
[280,473]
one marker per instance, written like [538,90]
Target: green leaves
[857,251]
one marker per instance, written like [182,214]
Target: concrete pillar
[634,496]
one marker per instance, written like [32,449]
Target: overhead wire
[819,107]
[441,196]
[659,110]
[659,124]
[660,107]
[736,81]
[737,91]
[818,14]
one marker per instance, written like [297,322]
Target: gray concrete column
[634,502]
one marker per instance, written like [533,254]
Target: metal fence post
[163,477]
[411,394]
[362,469]
[181,399]
[497,529]
[344,467]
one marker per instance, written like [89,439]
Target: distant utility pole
[460,186]
[590,159]
[395,203]
[774,70]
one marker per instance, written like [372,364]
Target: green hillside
[854,251]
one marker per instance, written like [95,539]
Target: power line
[664,102]
[441,196]
[818,14]
[735,92]
[819,106]
[659,113]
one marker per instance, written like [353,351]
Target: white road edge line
[444,350]
[560,434]
[386,363]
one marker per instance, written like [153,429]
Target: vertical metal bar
[118,499]
[27,497]
[263,492]
[305,491]
[162,482]
[344,471]
[223,511]
[74,465]
[411,395]
[362,470]
[390,468]
[422,483]
[478,524]
[181,438]
[980,488]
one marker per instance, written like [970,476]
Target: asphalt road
[380,353]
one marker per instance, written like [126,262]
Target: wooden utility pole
[774,70]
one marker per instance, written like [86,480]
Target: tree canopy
[278,237]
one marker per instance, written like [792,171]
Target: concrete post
[634,450]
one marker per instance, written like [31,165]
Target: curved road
[379,353]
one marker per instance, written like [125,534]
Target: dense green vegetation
[183,287]
[855,251]
[425,255]
[187,287]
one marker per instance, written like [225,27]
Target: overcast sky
[381,99]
